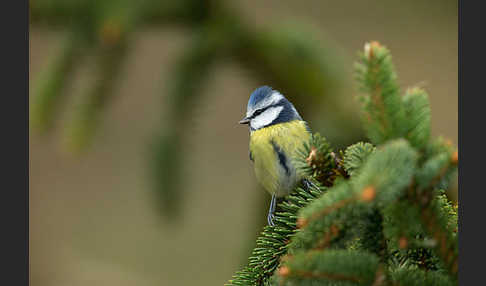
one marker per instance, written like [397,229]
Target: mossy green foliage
[383,219]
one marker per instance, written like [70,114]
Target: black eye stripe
[261,110]
[258,112]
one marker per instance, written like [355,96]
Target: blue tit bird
[277,131]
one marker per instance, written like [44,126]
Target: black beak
[245,120]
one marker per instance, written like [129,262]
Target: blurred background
[139,172]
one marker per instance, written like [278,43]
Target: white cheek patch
[270,100]
[266,117]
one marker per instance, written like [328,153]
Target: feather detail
[273,149]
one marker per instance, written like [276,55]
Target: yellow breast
[288,137]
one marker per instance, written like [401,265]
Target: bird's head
[268,107]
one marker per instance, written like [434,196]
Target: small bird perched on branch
[276,132]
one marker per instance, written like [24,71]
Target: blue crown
[259,94]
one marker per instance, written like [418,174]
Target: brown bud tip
[301,222]
[286,258]
[334,230]
[284,271]
[368,48]
[110,33]
[455,157]
[368,194]
[312,156]
[402,242]
[454,267]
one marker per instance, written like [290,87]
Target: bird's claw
[271,210]
[270,218]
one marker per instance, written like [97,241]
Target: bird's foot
[271,210]
[270,218]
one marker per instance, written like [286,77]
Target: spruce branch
[436,218]
[370,235]
[332,267]
[381,181]
[273,241]
[318,161]
[355,155]
[407,241]
[409,276]
[384,111]
[417,112]
[381,213]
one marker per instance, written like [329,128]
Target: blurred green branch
[289,59]
[50,87]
